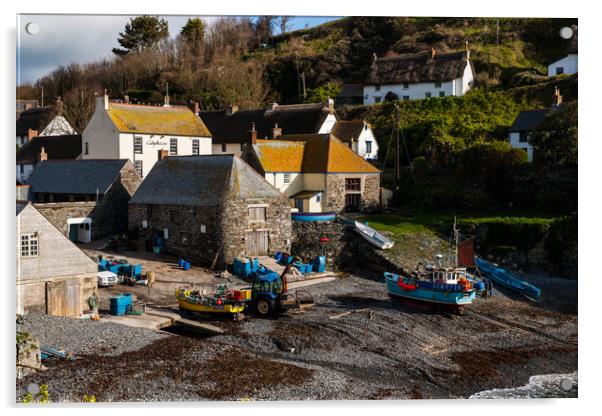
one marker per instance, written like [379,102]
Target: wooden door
[72,298]
[257,243]
[55,295]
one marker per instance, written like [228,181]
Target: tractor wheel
[263,307]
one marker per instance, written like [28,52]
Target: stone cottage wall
[335,192]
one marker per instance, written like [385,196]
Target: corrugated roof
[345,130]
[420,67]
[322,153]
[176,120]
[87,176]
[67,147]
[292,119]
[529,120]
[205,180]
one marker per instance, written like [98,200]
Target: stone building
[53,275]
[317,172]
[210,208]
[85,199]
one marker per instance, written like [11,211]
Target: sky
[66,39]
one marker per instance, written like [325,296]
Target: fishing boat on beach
[223,302]
[368,233]
[507,279]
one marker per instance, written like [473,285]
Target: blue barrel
[186,265]
[319,264]
[181,262]
[308,268]
[278,256]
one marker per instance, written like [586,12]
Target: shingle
[420,67]
[67,147]
[205,180]
[176,120]
[87,176]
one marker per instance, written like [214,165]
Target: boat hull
[507,279]
[440,297]
[228,308]
[313,216]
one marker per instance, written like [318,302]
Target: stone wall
[335,192]
[345,250]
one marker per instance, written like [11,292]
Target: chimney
[557,98]
[42,156]
[433,53]
[31,134]
[163,154]
[330,105]
[232,108]
[28,106]
[197,108]
[126,99]
[276,131]
[106,97]
[253,134]
[467,51]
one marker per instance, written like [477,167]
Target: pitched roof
[229,127]
[420,67]
[529,120]
[205,180]
[87,176]
[20,207]
[176,120]
[345,130]
[351,90]
[67,147]
[36,118]
[322,153]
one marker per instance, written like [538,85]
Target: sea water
[540,386]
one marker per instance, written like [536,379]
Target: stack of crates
[245,266]
[120,303]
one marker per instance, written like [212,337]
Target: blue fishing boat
[507,279]
[435,285]
[313,216]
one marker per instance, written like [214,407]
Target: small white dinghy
[373,237]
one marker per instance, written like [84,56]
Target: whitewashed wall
[231,149]
[367,136]
[414,91]
[326,127]
[514,139]
[569,63]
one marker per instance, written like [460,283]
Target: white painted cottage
[566,65]
[43,122]
[417,76]
[143,134]
[358,135]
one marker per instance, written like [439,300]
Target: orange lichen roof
[279,155]
[324,153]
[176,120]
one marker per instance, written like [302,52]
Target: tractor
[270,294]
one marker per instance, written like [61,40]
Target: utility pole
[303,81]
[397,150]
[497,32]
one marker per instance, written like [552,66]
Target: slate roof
[85,176]
[345,130]
[175,120]
[292,119]
[20,207]
[420,67]
[67,147]
[206,180]
[529,120]
[36,118]
[322,153]
[351,91]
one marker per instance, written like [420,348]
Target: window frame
[254,219]
[441,93]
[87,148]
[27,250]
[428,95]
[173,141]
[353,185]
[559,70]
[377,100]
[224,148]
[286,178]
[196,146]
[377,87]
[138,149]
[406,85]
[437,85]
[368,146]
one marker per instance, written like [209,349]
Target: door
[257,243]
[73,230]
[352,202]
[72,298]
[63,298]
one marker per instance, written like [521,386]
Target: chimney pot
[557,98]
[276,131]
[43,155]
[28,106]
[163,154]
[374,57]
[31,133]
[197,108]
[330,105]
[253,134]
[126,99]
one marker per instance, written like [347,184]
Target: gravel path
[87,337]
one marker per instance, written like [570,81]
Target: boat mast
[456,240]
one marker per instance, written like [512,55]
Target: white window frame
[172,146]
[377,99]
[196,146]
[428,95]
[368,146]
[30,245]
[286,178]
[138,144]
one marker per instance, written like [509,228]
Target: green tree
[141,33]
[193,33]
[556,141]
[322,93]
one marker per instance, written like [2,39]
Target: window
[427,95]
[437,85]
[257,214]
[173,147]
[377,88]
[559,70]
[87,150]
[406,85]
[223,147]
[353,184]
[368,146]
[286,178]
[138,166]
[29,245]
[441,93]
[406,97]
[352,202]
[523,137]
[318,197]
[137,144]
[195,146]
[377,99]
